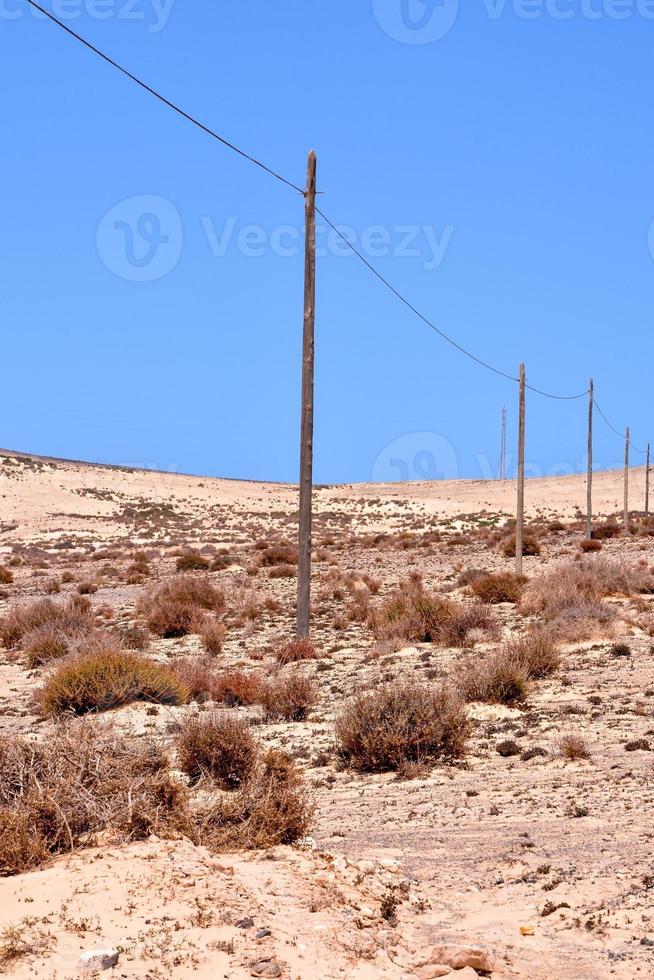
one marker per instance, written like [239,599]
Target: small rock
[366,867]
[460,957]
[245,923]
[265,968]
[434,971]
[99,959]
[262,933]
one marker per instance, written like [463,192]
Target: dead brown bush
[416,616]
[498,679]
[218,746]
[500,587]
[192,561]
[573,747]
[274,808]
[6,575]
[401,722]
[70,618]
[177,607]
[530,545]
[212,634]
[54,797]
[296,650]
[289,695]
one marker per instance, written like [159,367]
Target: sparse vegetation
[402,722]
[500,587]
[178,606]
[107,679]
[218,746]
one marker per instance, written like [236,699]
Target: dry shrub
[72,617]
[107,679]
[498,679]
[197,677]
[192,561]
[537,651]
[178,607]
[85,779]
[530,545]
[288,696]
[603,532]
[296,650]
[277,554]
[500,587]
[217,746]
[6,575]
[283,571]
[274,808]
[588,545]
[573,747]
[402,722]
[212,634]
[237,688]
[415,616]
[503,677]
[132,638]
[87,588]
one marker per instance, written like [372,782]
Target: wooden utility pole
[647,470]
[306,433]
[589,504]
[626,481]
[520,516]
[503,447]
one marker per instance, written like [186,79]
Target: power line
[162,98]
[432,325]
[616,431]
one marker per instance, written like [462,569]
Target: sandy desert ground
[518,858]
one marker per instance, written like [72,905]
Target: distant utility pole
[503,447]
[589,504]
[520,515]
[647,472]
[626,480]
[306,433]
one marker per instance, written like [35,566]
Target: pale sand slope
[57,492]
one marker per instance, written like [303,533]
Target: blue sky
[151,281]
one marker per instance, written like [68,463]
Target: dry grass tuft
[530,545]
[212,634]
[85,779]
[217,746]
[410,614]
[6,575]
[503,677]
[178,607]
[192,561]
[573,748]
[500,587]
[108,679]
[402,722]
[296,650]
[289,696]
[274,808]
[70,619]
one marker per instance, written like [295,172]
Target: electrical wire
[432,325]
[162,98]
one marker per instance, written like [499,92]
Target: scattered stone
[99,959]
[262,933]
[265,968]
[460,957]
[245,923]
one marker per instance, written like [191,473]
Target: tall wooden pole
[520,515]
[626,481]
[306,434]
[647,472]
[589,504]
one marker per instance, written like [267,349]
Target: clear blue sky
[517,149]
